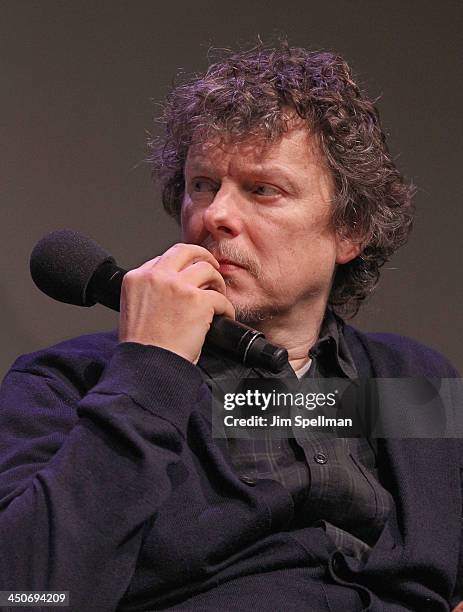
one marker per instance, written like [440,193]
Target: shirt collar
[330,356]
[331,353]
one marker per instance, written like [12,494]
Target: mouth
[227,265]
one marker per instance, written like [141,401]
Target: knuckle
[164,279]
[196,300]
[180,289]
[151,277]
[130,279]
[177,246]
[182,246]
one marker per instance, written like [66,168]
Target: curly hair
[247,94]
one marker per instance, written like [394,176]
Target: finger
[180,255]
[204,276]
[221,305]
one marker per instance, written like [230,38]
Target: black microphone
[72,268]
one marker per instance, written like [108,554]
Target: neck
[296,331]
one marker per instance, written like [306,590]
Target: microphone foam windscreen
[62,264]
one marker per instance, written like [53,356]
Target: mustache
[227,250]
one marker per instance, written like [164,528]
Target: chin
[249,312]
[247,308]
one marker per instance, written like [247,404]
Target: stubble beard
[249,314]
[244,313]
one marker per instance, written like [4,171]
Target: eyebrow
[203,167]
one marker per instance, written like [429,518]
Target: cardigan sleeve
[81,477]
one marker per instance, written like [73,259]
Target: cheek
[191,224]
[313,254]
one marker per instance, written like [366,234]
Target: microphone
[74,269]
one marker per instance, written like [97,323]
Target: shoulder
[394,355]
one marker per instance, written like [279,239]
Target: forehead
[297,151]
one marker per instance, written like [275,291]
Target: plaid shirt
[333,481]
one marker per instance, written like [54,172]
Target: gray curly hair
[246,94]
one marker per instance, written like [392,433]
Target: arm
[79,480]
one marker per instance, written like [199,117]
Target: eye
[201,185]
[266,190]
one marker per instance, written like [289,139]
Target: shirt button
[249,480]
[320,458]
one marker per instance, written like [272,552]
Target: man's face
[264,212]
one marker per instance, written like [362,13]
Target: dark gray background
[79,86]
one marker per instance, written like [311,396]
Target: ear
[346,250]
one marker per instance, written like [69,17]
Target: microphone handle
[105,286]
[244,343]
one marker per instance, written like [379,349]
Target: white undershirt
[305,368]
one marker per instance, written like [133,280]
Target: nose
[223,216]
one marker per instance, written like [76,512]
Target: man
[112,485]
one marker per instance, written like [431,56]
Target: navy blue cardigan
[111,487]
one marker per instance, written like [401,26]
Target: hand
[170,300]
